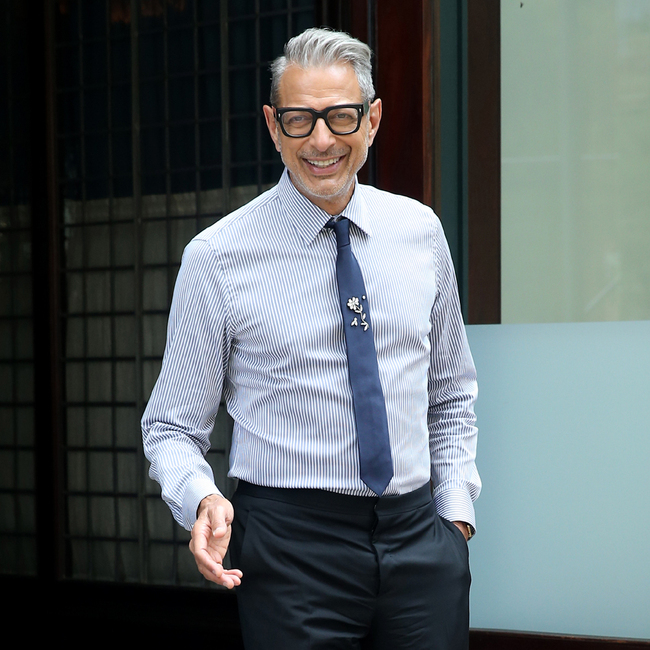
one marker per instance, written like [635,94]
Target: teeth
[324,163]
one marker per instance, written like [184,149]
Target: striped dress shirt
[256,319]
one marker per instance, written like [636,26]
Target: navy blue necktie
[369,406]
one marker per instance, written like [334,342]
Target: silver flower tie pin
[354,304]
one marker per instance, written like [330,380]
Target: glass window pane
[575,159]
[124,229]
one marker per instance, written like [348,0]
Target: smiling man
[326,314]
[321,163]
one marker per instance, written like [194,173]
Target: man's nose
[321,137]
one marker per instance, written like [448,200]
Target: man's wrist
[195,492]
[205,503]
[455,504]
[465,528]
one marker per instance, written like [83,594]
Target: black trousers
[325,570]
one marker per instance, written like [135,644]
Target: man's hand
[210,538]
[464,528]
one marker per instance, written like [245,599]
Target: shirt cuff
[195,492]
[455,505]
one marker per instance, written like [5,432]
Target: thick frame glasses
[342,119]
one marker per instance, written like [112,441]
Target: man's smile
[322,163]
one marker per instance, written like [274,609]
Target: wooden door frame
[408,158]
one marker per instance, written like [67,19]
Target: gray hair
[321,47]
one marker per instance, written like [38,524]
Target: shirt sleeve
[180,414]
[452,389]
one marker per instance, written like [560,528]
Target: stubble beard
[314,191]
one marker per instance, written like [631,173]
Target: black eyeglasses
[343,119]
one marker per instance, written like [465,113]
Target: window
[17,502]
[159,134]
[575,155]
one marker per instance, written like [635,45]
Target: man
[327,314]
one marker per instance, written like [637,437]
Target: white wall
[563,541]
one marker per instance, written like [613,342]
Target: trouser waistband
[335,501]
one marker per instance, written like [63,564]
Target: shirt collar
[309,219]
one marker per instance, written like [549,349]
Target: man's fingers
[219,518]
[231,578]
[200,540]
[219,527]
[209,568]
[209,543]
[215,572]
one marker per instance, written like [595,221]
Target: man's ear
[374,118]
[272,126]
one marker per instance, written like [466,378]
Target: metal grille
[159,134]
[17,512]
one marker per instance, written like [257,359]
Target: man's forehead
[336,82]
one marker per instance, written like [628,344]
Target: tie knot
[342,230]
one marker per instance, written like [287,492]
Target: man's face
[322,166]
